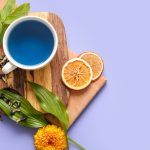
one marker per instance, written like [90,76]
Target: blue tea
[30,43]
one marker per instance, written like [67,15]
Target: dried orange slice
[95,62]
[77,74]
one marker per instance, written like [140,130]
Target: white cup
[13,64]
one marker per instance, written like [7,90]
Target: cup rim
[11,27]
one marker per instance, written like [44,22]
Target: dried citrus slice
[77,74]
[95,62]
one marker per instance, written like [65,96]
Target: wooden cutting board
[50,76]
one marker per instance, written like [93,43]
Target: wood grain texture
[50,76]
[60,58]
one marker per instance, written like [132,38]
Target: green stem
[78,145]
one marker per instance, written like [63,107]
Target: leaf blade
[3,32]
[51,104]
[34,119]
[8,8]
[20,11]
[1,27]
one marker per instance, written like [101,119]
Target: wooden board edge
[77,106]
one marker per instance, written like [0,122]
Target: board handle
[8,67]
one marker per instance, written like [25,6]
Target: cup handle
[8,67]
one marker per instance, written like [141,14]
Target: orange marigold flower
[50,137]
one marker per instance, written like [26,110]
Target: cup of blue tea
[29,43]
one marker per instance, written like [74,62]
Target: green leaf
[2,33]
[20,11]
[0,28]
[51,104]
[8,9]
[34,119]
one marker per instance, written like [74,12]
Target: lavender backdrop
[119,30]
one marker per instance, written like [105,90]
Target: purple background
[119,30]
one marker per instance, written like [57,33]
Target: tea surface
[30,43]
